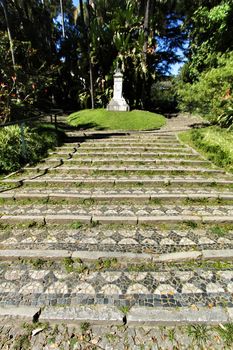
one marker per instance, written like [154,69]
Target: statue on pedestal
[118,102]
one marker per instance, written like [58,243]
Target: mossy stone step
[88,148]
[102,169]
[137,195]
[123,154]
[108,180]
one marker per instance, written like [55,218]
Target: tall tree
[5,10]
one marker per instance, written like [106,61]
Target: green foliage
[210,95]
[84,326]
[72,265]
[218,231]
[199,334]
[210,35]
[101,119]
[226,333]
[106,263]
[225,120]
[37,141]
[215,143]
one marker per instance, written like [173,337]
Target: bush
[210,96]
[37,141]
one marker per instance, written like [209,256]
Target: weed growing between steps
[89,202]
[94,337]
[82,268]
[214,143]
[220,229]
[79,185]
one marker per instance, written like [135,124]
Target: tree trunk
[81,11]
[62,18]
[146,28]
[89,57]
[4,5]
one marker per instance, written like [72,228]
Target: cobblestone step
[117,133]
[124,139]
[96,160]
[129,169]
[146,260]
[120,136]
[69,282]
[109,213]
[114,195]
[123,142]
[155,240]
[127,147]
[125,154]
[66,332]
[113,180]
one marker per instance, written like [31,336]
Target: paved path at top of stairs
[118,221]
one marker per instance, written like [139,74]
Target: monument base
[118,105]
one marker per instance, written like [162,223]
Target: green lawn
[101,119]
[214,143]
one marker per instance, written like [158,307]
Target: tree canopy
[52,53]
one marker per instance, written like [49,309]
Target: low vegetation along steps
[119,243]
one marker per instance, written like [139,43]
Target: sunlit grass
[101,119]
[214,143]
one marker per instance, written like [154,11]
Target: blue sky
[174,68]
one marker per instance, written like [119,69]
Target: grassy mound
[101,119]
[214,143]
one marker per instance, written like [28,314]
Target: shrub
[210,96]
[37,141]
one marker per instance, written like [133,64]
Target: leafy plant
[36,141]
[199,334]
[84,326]
[218,231]
[226,332]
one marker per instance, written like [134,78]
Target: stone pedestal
[118,102]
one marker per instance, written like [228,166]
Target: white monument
[118,102]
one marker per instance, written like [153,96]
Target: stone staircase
[122,228]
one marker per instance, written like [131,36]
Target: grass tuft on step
[101,119]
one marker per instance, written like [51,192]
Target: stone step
[102,169]
[168,145]
[124,154]
[123,139]
[126,136]
[120,134]
[98,327]
[128,161]
[116,213]
[69,282]
[114,195]
[94,140]
[127,148]
[120,181]
[115,238]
